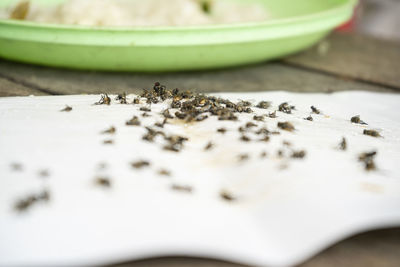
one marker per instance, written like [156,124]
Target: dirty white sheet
[286,210]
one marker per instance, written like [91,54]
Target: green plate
[294,25]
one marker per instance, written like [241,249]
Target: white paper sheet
[286,209]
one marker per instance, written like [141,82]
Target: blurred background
[379,18]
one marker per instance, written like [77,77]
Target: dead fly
[151,134]
[104,100]
[140,164]
[221,130]
[110,130]
[180,115]
[251,125]
[44,173]
[372,133]
[265,139]
[136,101]
[280,153]
[286,108]
[201,118]
[343,144]
[166,114]
[108,142]
[275,133]
[164,172]
[287,143]
[209,146]
[146,109]
[225,195]
[182,188]
[102,181]
[263,154]
[243,157]
[161,124]
[145,115]
[309,118]
[23,204]
[263,131]
[245,138]
[272,115]
[258,118]
[133,122]
[66,109]
[121,98]
[315,110]
[264,104]
[356,119]
[16,167]
[368,160]
[175,143]
[287,126]
[298,154]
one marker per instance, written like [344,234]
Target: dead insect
[221,130]
[166,114]
[16,166]
[133,122]
[356,119]
[136,101]
[121,98]
[287,126]
[343,144]
[146,109]
[110,130]
[251,125]
[182,188]
[280,153]
[368,160]
[286,108]
[243,157]
[209,146]
[265,139]
[202,118]
[272,115]
[161,124]
[258,118]
[263,131]
[103,181]
[66,109]
[225,195]
[108,142]
[140,164]
[298,154]
[145,115]
[24,204]
[164,172]
[104,100]
[309,118]
[287,143]
[245,138]
[372,133]
[315,110]
[263,154]
[264,104]
[180,115]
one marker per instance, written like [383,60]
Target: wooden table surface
[339,63]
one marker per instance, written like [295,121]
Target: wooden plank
[9,88]
[354,56]
[371,249]
[261,77]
